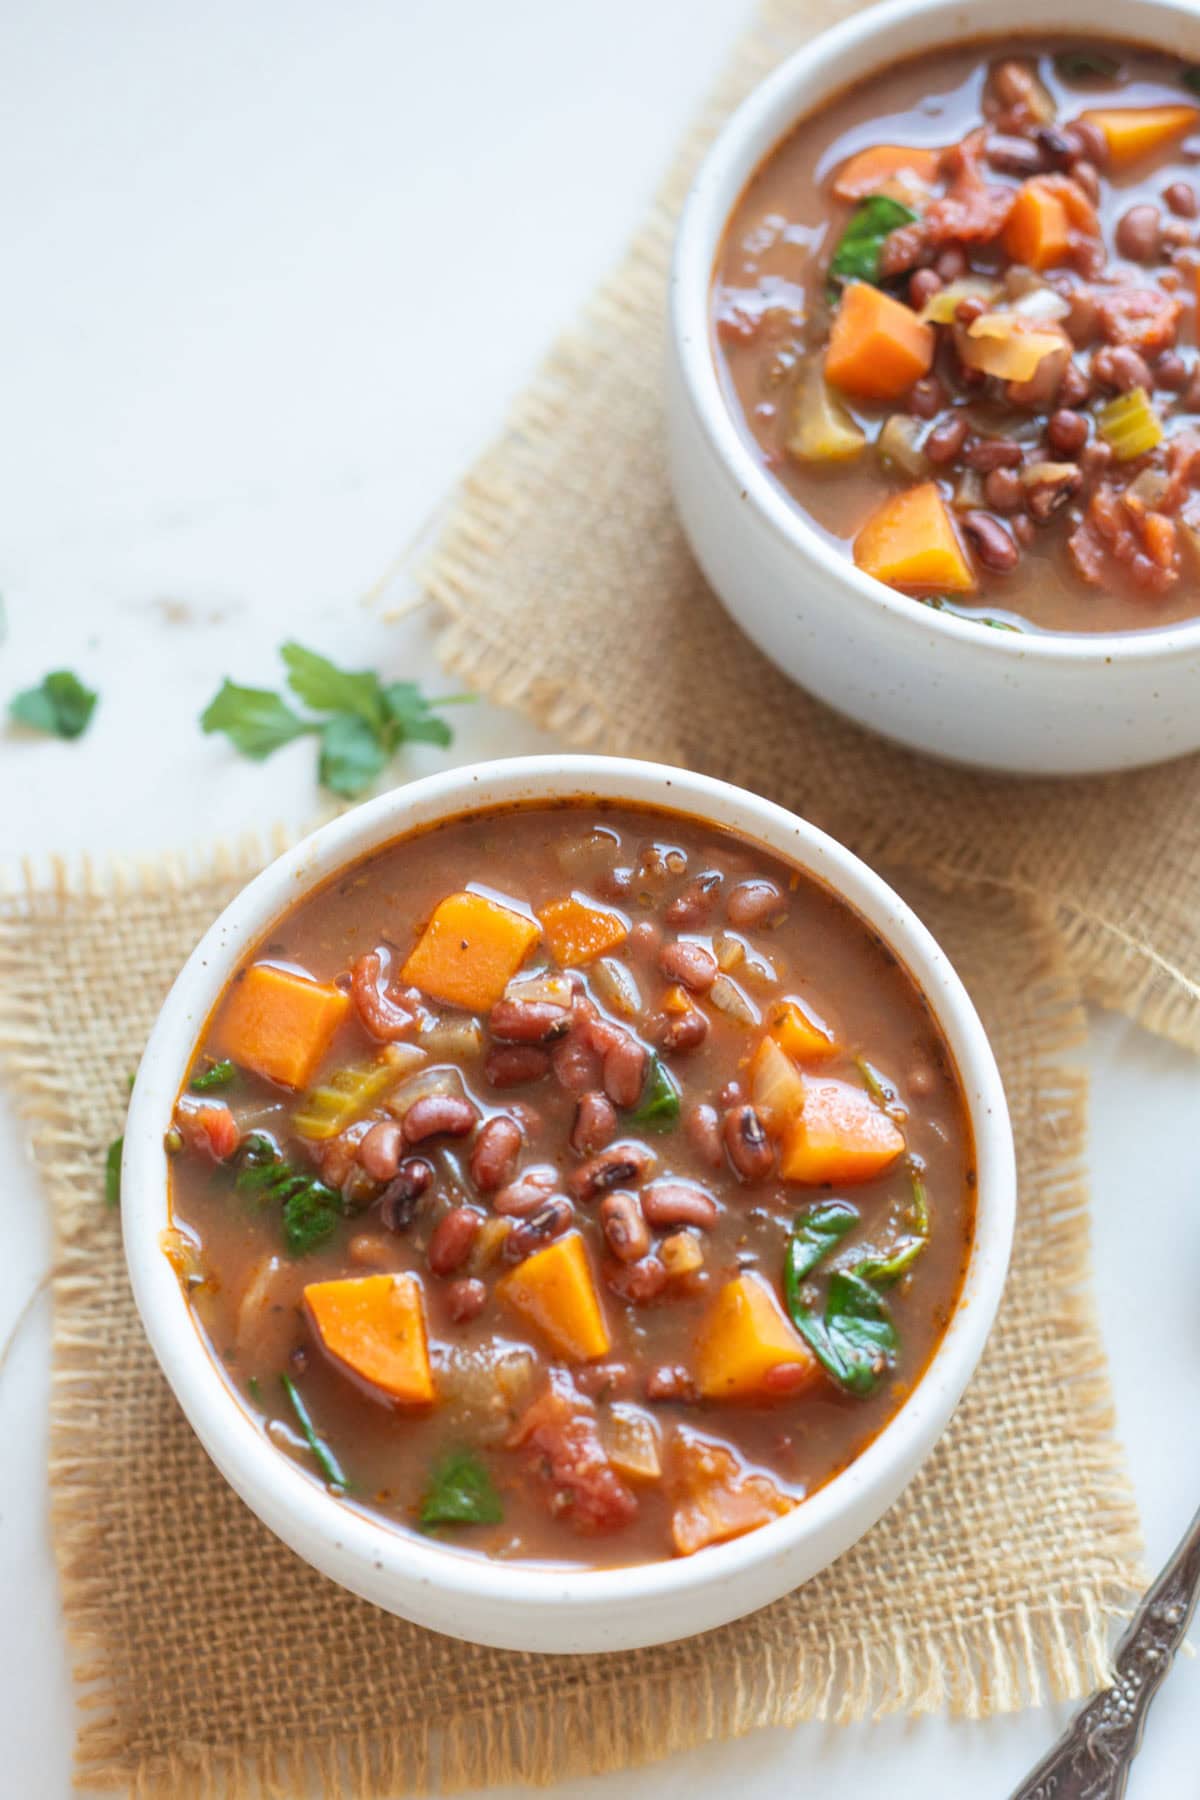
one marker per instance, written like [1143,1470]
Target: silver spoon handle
[1091,1761]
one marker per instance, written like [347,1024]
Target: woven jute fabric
[572,594]
[212,1662]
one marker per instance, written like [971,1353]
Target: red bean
[1137,233]
[1093,144]
[1066,431]
[694,905]
[1181,199]
[494,1152]
[514,1065]
[605,1380]
[625,1071]
[624,1226]
[703,1128]
[747,1143]
[670,1203]
[1073,389]
[986,454]
[681,1032]
[453,1236]
[386,1014]
[670,1381]
[1171,371]
[970,309]
[991,542]
[754,903]
[1118,366]
[439,1115]
[691,965]
[639,1282]
[465,1299]
[951,263]
[926,397]
[1085,175]
[530,1190]
[528,1021]
[379,1152]
[576,1065]
[595,1123]
[620,1165]
[1002,490]
[785,1378]
[400,1198]
[533,1233]
[645,938]
[923,284]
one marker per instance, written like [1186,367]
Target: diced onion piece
[1130,425]
[488,1244]
[616,987]
[449,1038]
[554,990]
[729,950]
[1149,487]
[822,429]
[728,998]
[185,1256]
[681,1254]
[631,1438]
[941,307]
[776,1089]
[899,444]
[1008,346]
[968,492]
[255,1298]
[1042,304]
[430,1081]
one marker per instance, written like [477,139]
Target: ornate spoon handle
[1091,1761]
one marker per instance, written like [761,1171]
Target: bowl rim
[373,1556]
[751,133]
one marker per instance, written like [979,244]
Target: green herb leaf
[254,1390]
[323,1456]
[412,717]
[658,1107]
[461,1492]
[60,706]
[211,1080]
[816,1231]
[112,1173]
[328,689]
[1190,77]
[855,1340]
[857,255]
[889,1269]
[309,1210]
[310,1216]
[1080,65]
[881,1089]
[352,755]
[256,721]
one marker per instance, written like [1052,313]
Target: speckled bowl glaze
[1062,704]
[528,1607]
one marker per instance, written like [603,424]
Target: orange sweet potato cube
[745,1335]
[877,346]
[840,1136]
[470,950]
[280,1024]
[577,932]
[910,542]
[374,1327]
[555,1289]
[1132,132]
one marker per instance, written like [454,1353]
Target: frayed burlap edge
[983,1663]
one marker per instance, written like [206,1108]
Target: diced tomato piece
[209,1128]
[560,1431]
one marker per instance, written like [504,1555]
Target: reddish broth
[678,888]
[1049,538]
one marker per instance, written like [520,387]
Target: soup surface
[580,1183]
[955,312]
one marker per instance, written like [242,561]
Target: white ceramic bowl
[1066,704]
[527,1608]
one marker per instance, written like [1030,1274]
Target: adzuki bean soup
[955,312]
[579,1183]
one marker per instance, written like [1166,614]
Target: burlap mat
[213,1662]
[574,597]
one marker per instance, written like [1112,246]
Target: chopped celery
[326,1110]
[1130,425]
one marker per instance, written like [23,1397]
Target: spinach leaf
[857,255]
[816,1231]
[217,1076]
[60,705]
[1080,65]
[112,1173]
[461,1492]
[889,1269]
[658,1108]
[323,1456]
[855,1340]
[309,1210]
[256,721]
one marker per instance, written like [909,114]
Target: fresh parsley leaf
[112,1173]
[309,1210]
[256,721]
[217,1076]
[855,1340]
[857,255]
[658,1107]
[310,1216]
[816,1231]
[323,1456]
[326,688]
[1081,65]
[352,755]
[461,1492]
[60,705]
[409,712]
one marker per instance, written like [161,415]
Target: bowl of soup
[568,1198]
[933,384]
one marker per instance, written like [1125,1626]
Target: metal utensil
[1092,1759]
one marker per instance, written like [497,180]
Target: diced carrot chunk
[280,1024]
[877,346]
[840,1136]
[578,932]
[884,168]
[470,950]
[374,1326]
[716,1496]
[745,1335]
[800,1033]
[1038,232]
[556,1290]
[1132,132]
[910,542]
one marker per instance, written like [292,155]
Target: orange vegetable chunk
[800,1033]
[374,1326]
[555,1289]
[1132,132]
[280,1024]
[1038,232]
[715,1496]
[470,950]
[745,1335]
[877,346]
[840,1136]
[886,168]
[578,932]
[776,1088]
[910,542]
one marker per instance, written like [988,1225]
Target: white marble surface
[272,274]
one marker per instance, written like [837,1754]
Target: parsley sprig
[364,721]
[60,705]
